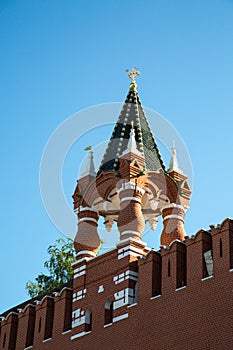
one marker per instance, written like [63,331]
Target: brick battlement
[136,298]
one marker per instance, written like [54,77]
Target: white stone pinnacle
[173,166]
[90,168]
[132,145]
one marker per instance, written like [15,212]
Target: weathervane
[133,74]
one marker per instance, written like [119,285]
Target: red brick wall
[192,312]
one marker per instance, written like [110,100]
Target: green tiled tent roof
[132,111]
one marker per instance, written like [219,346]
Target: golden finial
[134,72]
[132,75]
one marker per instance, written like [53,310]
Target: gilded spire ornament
[132,75]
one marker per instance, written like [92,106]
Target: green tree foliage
[60,272]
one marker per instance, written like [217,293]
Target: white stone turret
[173,166]
[90,168]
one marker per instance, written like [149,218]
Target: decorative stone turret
[87,241]
[130,221]
[173,214]
[173,223]
[131,186]
[90,168]
[178,175]
[89,174]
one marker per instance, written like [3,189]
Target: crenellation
[62,311]
[9,329]
[156,274]
[196,247]
[26,327]
[43,320]
[147,275]
[125,284]
[222,241]
[179,249]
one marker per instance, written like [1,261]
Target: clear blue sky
[58,57]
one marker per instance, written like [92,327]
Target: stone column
[87,241]
[173,223]
[130,221]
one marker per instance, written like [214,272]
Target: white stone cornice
[130,240]
[88,219]
[173,216]
[86,252]
[76,211]
[81,208]
[131,199]
[29,304]
[131,186]
[174,205]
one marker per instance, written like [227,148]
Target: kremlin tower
[131,186]
[133,297]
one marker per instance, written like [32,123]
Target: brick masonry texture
[177,306]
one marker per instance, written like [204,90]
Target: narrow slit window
[169,268]
[39,328]
[4,341]
[220,248]
[157,273]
